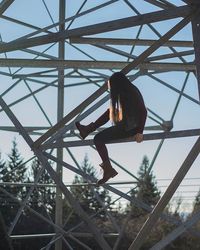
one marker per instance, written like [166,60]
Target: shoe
[85,130]
[108,172]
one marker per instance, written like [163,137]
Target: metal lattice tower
[67,45]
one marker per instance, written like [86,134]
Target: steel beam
[60,113]
[155,31]
[82,64]
[136,42]
[71,115]
[157,3]
[139,64]
[135,201]
[173,88]
[147,137]
[4,5]
[158,43]
[126,69]
[47,28]
[169,4]
[34,212]
[156,16]
[155,214]
[70,126]
[29,95]
[24,76]
[18,184]
[196,37]
[177,232]
[38,103]
[44,161]
[97,196]
[116,51]
[170,55]
[37,53]
[28,129]
[191,1]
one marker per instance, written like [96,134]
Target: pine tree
[196,205]
[42,196]
[3,196]
[146,190]
[17,170]
[84,193]
[41,200]
[13,171]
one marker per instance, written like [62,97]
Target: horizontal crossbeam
[28,129]
[122,41]
[79,235]
[82,64]
[123,23]
[147,137]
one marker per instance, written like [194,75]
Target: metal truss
[67,54]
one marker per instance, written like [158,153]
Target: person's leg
[85,130]
[109,134]
[103,119]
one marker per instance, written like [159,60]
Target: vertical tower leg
[196,38]
[61,52]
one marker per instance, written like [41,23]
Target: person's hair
[119,92]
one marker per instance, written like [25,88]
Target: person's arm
[142,121]
[139,136]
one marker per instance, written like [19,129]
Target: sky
[158,98]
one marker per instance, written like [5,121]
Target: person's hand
[138,137]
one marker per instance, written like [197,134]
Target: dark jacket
[135,113]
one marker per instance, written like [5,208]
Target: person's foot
[108,172]
[85,130]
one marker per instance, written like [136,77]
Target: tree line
[98,203]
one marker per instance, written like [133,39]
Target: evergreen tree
[147,187]
[84,193]
[3,196]
[3,169]
[196,205]
[13,171]
[146,190]
[42,196]
[15,162]
[41,200]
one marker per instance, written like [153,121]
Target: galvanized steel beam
[123,41]
[156,16]
[147,137]
[44,161]
[4,5]
[158,209]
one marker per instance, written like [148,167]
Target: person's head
[119,86]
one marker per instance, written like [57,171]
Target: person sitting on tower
[128,114]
